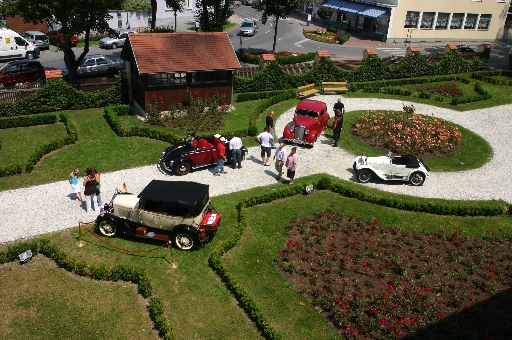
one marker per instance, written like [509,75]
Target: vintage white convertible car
[391,168]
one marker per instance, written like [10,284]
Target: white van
[14,46]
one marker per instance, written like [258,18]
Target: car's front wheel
[417,179]
[364,175]
[31,55]
[107,228]
[39,80]
[182,168]
[112,71]
[184,240]
[114,45]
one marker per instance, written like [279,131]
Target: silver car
[116,40]
[37,38]
[96,66]
[248,27]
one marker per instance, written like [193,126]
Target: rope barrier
[82,224]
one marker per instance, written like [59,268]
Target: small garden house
[163,66]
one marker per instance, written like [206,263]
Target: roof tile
[181,52]
[268,56]
[371,51]
[452,46]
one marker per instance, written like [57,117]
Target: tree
[325,13]
[76,17]
[213,14]
[279,9]
[153,15]
[177,6]
[137,5]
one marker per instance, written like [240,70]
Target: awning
[348,6]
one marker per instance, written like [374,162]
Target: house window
[442,21]
[159,79]
[470,22]
[457,19]
[484,22]
[411,19]
[204,77]
[427,20]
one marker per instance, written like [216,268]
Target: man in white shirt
[265,139]
[280,158]
[235,145]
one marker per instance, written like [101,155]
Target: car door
[11,75]
[87,68]
[122,39]
[102,65]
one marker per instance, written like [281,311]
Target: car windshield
[306,113]
[114,35]
[4,66]
[247,24]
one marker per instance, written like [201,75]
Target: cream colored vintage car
[174,211]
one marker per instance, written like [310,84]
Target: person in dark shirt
[338,106]
[269,121]
[337,125]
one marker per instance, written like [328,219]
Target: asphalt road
[52,58]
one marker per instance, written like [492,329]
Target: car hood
[380,160]
[304,121]
[108,39]
[178,149]
[247,29]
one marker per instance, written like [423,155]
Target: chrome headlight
[292,128]
[171,163]
[306,132]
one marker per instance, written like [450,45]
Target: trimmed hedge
[482,95]
[354,87]
[96,272]
[281,60]
[7,123]
[486,76]
[57,95]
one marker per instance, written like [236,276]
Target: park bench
[338,86]
[303,92]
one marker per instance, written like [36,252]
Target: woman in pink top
[291,164]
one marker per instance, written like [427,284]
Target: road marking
[298,43]
[392,50]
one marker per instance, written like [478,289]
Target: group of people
[91,183]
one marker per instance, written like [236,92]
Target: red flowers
[427,290]
[289,244]
[196,93]
[376,220]
[153,96]
[391,287]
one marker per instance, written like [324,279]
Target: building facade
[424,21]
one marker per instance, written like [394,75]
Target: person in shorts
[291,164]
[75,185]
[265,139]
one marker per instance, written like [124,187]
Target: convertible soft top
[185,194]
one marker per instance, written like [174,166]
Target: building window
[442,21]
[484,22]
[411,19]
[159,79]
[204,77]
[457,19]
[427,20]
[470,22]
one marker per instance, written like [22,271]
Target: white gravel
[49,208]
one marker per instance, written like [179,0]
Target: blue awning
[348,6]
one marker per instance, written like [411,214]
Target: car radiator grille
[299,132]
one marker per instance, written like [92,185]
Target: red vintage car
[309,121]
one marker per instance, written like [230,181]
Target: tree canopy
[213,14]
[278,9]
[76,17]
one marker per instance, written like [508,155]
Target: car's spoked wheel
[107,229]
[417,179]
[364,175]
[182,168]
[184,241]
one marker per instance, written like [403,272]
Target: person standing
[90,190]
[337,125]
[197,26]
[270,125]
[221,157]
[235,145]
[280,158]
[291,164]
[75,185]
[265,139]
[338,106]
[98,185]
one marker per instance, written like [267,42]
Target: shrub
[325,13]
[373,68]
[342,37]
[331,29]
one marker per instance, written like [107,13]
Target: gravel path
[48,208]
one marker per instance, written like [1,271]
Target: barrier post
[172,265]
[80,243]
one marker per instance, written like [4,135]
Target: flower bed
[321,35]
[375,282]
[445,89]
[404,132]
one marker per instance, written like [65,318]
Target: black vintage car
[194,152]
[165,210]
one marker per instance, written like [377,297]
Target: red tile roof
[180,52]
[268,56]
[323,53]
[414,48]
[371,51]
[452,46]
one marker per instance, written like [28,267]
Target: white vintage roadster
[391,168]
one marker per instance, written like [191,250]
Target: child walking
[75,185]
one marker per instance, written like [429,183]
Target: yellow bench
[339,86]
[303,92]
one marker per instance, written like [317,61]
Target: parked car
[176,211]
[96,65]
[116,40]
[192,154]
[56,38]
[391,168]
[309,121]
[465,48]
[248,27]
[37,38]
[22,71]
[247,2]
